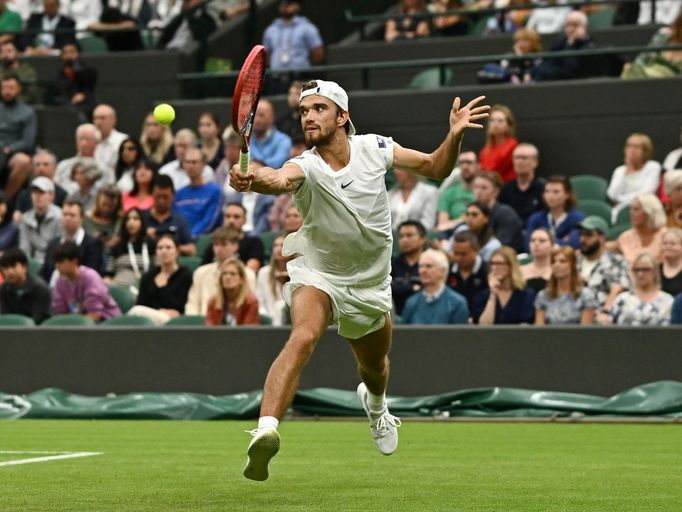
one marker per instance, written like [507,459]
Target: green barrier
[663,398]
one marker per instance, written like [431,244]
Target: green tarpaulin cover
[663,398]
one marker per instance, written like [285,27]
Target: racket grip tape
[244,161]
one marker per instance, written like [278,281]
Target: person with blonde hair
[639,174]
[234,302]
[646,303]
[508,300]
[156,139]
[565,300]
[673,189]
[671,261]
[648,219]
[496,155]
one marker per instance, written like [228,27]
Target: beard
[589,250]
[318,138]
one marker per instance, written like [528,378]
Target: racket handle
[244,161]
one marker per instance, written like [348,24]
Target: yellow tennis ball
[164,113]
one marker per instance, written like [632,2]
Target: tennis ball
[164,113]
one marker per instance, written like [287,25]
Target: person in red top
[496,155]
[234,303]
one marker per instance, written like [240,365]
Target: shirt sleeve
[59,303]
[541,301]
[460,314]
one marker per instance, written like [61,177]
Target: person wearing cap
[42,223]
[604,272]
[341,272]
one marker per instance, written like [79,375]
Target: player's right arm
[266,180]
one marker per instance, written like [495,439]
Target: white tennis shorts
[359,310]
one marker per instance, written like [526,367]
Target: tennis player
[342,270]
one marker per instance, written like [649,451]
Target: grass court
[333,466]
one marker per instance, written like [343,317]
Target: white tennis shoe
[263,447]
[383,426]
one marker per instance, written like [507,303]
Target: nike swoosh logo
[344,185]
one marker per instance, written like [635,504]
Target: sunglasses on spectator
[642,269]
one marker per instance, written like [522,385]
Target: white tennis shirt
[346,235]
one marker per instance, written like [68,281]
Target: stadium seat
[130,320]
[69,320]
[524,258]
[93,44]
[191,262]
[265,319]
[11,319]
[587,186]
[594,207]
[601,18]
[268,239]
[623,217]
[430,79]
[615,231]
[202,242]
[123,297]
[34,266]
[187,320]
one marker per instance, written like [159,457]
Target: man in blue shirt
[200,201]
[161,219]
[268,144]
[436,303]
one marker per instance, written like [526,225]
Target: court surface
[333,466]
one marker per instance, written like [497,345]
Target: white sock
[376,403]
[267,422]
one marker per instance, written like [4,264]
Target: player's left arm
[440,163]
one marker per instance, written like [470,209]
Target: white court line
[52,457]
[32,452]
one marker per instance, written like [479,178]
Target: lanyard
[133,259]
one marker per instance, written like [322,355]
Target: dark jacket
[65,33]
[171,296]
[564,68]
[33,300]
[92,255]
[201,25]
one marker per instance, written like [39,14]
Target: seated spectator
[225,245]
[413,200]
[454,198]
[9,230]
[648,220]
[504,221]
[161,219]
[209,139]
[524,193]
[200,201]
[22,69]
[22,293]
[665,12]
[469,273]
[560,215]
[448,24]
[676,314]
[268,144]
[129,153]
[91,250]
[42,223]
[231,147]
[575,37]
[156,140]
[106,151]
[538,271]
[102,220]
[638,175]
[565,301]
[234,303]
[44,164]
[271,280]
[405,266]
[289,122]
[671,261]
[251,250]
[79,289]
[143,181]
[659,64]
[673,189]
[48,31]
[17,136]
[496,155]
[87,137]
[85,174]
[83,12]
[289,220]
[164,288]
[414,25]
[184,140]
[646,303]
[10,24]
[142,12]
[549,20]
[518,69]
[507,299]
[258,207]
[435,303]
[131,256]
[188,31]
[604,272]
[120,31]
[478,222]
[510,21]
[76,82]
[673,160]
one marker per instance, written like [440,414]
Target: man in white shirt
[341,272]
[184,140]
[87,138]
[106,152]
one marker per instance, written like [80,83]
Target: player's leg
[371,353]
[311,312]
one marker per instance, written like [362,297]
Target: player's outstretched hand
[469,115]
[241,181]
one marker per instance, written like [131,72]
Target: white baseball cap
[43,183]
[330,90]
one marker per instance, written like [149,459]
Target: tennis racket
[245,99]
